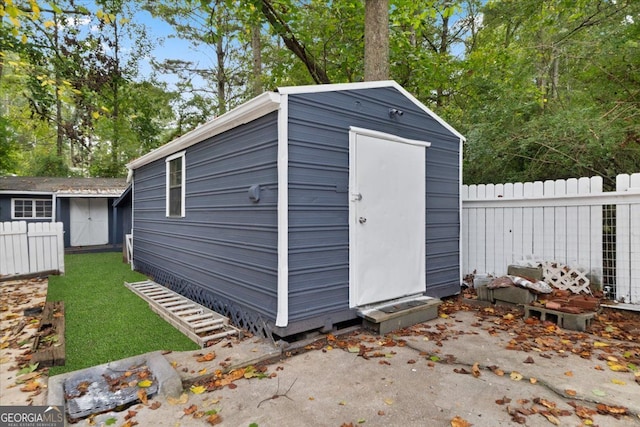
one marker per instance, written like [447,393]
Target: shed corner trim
[282,316]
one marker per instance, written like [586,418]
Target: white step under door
[386,217]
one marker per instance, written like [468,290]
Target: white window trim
[182,187]
[33,208]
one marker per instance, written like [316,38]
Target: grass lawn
[105,321]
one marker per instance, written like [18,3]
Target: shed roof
[63,186]
[262,105]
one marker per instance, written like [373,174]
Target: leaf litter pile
[22,380]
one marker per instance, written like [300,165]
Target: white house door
[89,221]
[387,217]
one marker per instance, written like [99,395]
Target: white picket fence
[31,248]
[571,221]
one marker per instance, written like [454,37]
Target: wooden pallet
[201,324]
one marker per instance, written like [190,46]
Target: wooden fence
[32,248]
[573,222]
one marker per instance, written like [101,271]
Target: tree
[275,14]
[545,84]
[376,40]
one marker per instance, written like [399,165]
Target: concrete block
[484,293]
[514,295]
[383,322]
[534,273]
[574,322]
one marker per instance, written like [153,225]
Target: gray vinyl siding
[226,245]
[318,199]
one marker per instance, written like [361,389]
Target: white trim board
[282,317]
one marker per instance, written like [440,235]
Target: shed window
[31,208]
[175,185]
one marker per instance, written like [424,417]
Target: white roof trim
[369,85]
[292,90]
[89,195]
[251,110]
[27,193]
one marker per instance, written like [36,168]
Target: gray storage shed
[297,208]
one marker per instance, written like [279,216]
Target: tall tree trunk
[115,143]
[555,73]
[256,50]
[221,76]
[59,130]
[443,51]
[376,40]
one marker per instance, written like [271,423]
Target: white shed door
[387,217]
[89,221]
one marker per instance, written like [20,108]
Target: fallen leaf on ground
[551,418]
[516,376]
[611,410]
[568,374]
[155,405]
[544,402]
[198,389]
[31,386]
[617,367]
[184,397]
[499,372]
[207,357]
[529,360]
[190,410]
[214,419]
[142,395]
[570,392]
[460,422]
[533,380]
[617,381]
[476,370]
[503,401]
[144,383]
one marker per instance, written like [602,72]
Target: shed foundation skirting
[238,315]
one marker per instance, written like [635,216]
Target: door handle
[356,197]
[362,220]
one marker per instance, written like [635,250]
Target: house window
[175,185]
[31,208]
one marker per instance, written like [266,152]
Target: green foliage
[48,164]
[8,149]
[541,89]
